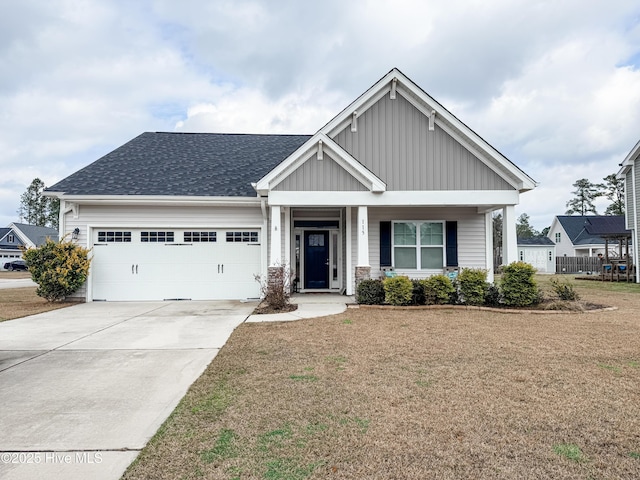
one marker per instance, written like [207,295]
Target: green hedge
[398,290]
[370,292]
[438,290]
[518,287]
[472,283]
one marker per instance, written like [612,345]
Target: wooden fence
[578,264]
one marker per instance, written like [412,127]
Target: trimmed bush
[492,297]
[370,292]
[438,290]
[472,284]
[564,289]
[398,290]
[59,268]
[518,287]
[417,297]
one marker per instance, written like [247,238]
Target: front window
[418,245]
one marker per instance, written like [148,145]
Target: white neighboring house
[394,181]
[539,252]
[579,235]
[18,235]
[630,173]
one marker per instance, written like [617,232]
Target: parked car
[16,265]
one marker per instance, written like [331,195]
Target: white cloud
[554,86]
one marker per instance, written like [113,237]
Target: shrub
[59,268]
[438,290]
[370,292]
[398,290]
[417,297]
[564,289]
[276,288]
[472,283]
[518,286]
[492,296]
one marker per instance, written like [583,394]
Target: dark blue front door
[316,259]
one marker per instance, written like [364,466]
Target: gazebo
[612,233]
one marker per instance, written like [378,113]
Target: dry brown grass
[20,302]
[381,394]
[4,274]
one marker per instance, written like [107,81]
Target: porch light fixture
[75,233]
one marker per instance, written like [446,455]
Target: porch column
[488,231]
[363,269]
[276,237]
[509,238]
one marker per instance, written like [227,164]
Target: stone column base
[362,273]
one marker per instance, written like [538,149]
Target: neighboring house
[18,235]
[394,181]
[539,252]
[585,235]
[630,173]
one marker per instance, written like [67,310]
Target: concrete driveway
[82,389]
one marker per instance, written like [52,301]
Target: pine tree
[524,228]
[36,209]
[585,193]
[614,191]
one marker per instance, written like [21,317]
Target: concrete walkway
[84,388]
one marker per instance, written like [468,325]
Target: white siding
[629,203]
[565,247]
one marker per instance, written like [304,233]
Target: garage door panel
[148,270]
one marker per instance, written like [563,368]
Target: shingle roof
[184,164]
[38,235]
[590,229]
[535,241]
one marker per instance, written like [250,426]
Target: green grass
[347,321]
[570,451]
[223,447]
[613,368]
[288,469]
[635,455]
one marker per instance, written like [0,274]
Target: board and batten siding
[629,203]
[161,217]
[394,142]
[320,175]
[471,234]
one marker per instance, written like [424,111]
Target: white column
[287,236]
[351,275]
[509,238]
[488,227]
[276,236]
[363,237]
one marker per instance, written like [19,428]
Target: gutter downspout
[265,235]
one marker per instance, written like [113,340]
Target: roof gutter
[156,200]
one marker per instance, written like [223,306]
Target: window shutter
[385,244]
[452,244]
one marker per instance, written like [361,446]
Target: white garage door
[167,264]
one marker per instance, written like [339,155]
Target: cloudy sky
[554,85]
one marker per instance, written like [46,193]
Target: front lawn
[415,394]
[20,302]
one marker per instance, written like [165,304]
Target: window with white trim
[200,237]
[156,237]
[418,245]
[244,237]
[11,238]
[114,237]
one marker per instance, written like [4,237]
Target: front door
[316,259]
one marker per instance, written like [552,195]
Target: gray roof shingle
[37,234]
[535,241]
[183,164]
[591,229]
